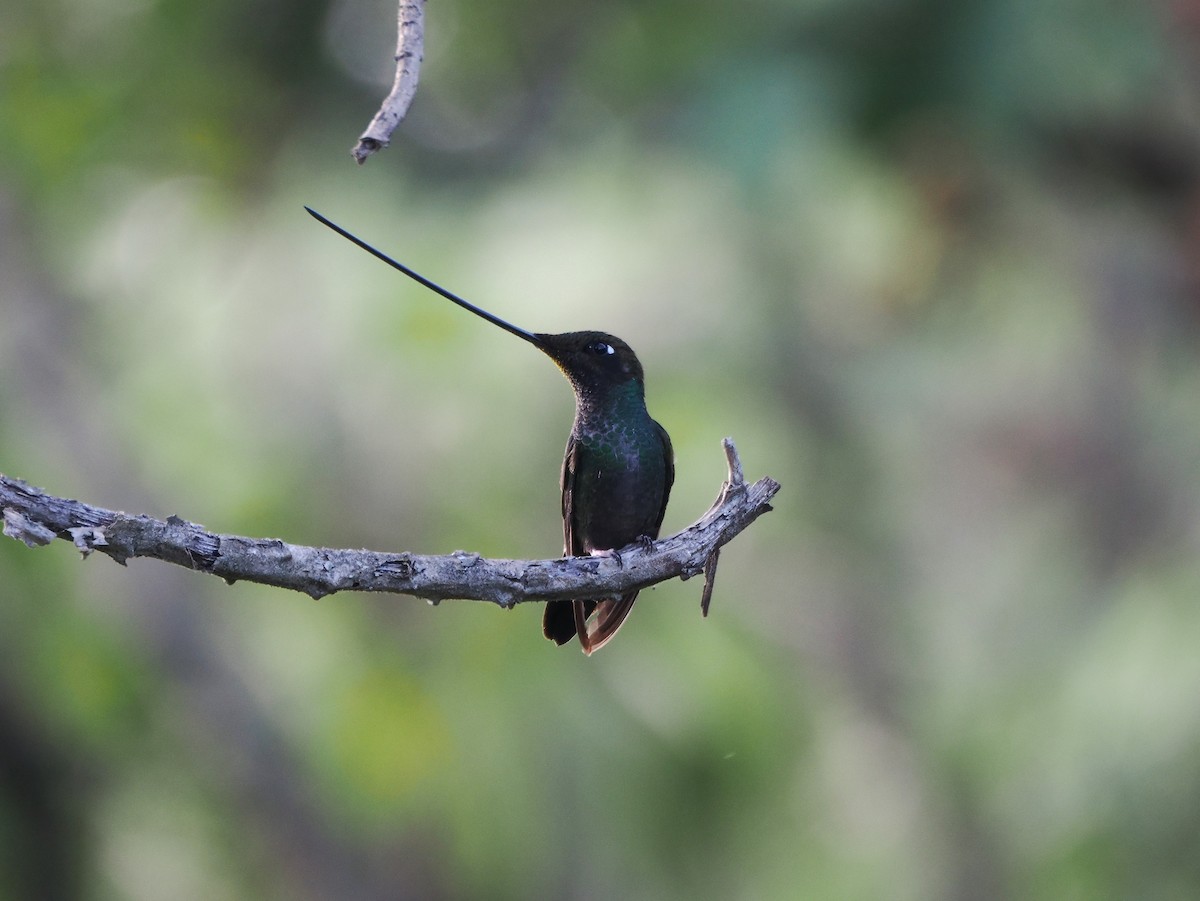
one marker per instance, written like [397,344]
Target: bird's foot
[610,553]
[646,543]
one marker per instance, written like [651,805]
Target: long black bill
[432,286]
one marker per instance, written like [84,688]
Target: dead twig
[410,51]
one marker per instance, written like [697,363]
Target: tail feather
[563,620]
[610,614]
[558,622]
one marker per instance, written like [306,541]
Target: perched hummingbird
[618,468]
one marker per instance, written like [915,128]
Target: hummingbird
[618,467]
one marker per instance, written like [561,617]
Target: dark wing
[559,621]
[669,463]
[567,483]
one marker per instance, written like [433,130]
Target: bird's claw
[611,553]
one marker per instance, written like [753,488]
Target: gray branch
[36,518]
[410,51]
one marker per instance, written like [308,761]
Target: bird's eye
[600,347]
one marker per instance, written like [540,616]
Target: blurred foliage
[931,263]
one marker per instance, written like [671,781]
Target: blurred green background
[931,263]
